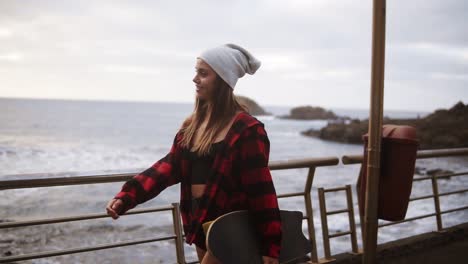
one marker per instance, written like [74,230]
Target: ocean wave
[53,161]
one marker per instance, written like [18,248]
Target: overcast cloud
[313,52]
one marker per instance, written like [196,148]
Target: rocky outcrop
[346,132]
[445,128]
[441,129]
[309,113]
[254,108]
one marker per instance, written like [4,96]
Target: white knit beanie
[230,62]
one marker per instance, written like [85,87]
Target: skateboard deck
[231,238]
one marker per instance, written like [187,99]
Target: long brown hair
[224,106]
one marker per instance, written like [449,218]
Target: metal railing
[324,213]
[178,235]
[426,154]
[436,195]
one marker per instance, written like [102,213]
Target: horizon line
[187,102]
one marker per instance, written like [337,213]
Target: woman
[220,157]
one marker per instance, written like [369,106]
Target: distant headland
[309,113]
[254,108]
[444,128]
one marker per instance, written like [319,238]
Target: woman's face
[205,80]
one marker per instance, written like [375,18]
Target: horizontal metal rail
[454,192]
[340,234]
[79,180]
[335,189]
[454,210]
[80,250]
[337,212]
[422,197]
[440,194]
[408,219]
[286,195]
[78,218]
[442,176]
[64,181]
[422,154]
[424,216]
[303,163]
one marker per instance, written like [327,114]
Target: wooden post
[375,130]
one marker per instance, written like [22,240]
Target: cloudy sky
[313,52]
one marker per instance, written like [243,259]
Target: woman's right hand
[114,207]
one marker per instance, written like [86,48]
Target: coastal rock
[310,113]
[419,170]
[441,129]
[439,172]
[254,108]
[350,132]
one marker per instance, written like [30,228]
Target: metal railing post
[352,223]
[310,215]
[435,190]
[323,216]
[179,241]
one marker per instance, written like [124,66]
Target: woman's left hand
[269,260]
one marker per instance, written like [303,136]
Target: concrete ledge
[449,246]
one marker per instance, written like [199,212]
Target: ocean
[57,138]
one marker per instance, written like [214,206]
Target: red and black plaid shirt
[239,180]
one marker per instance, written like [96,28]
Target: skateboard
[231,238]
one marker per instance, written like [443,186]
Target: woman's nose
[195,79]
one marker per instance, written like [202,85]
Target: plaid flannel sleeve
[149,183]
[258,185]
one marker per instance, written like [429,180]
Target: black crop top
[201,164]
